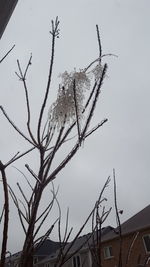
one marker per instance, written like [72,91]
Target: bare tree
[97,216]
[5,210]
[118,221]
[64,118]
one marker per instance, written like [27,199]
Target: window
[47,265]
[35,260]
[108,252]
[76,261]
[146,240]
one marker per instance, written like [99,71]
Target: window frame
[108,254]
[147,251]
[35,260]
[16,264]
[76,259]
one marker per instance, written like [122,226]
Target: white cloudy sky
[122,143]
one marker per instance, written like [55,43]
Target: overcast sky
[123,142]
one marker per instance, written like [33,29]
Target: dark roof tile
[139,221]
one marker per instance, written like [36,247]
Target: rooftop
[6,10]
[139,221]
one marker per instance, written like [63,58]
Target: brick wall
[135,258]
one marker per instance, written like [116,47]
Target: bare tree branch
[32,173]
[118,221]
[6,214]
[99,43]
[20,156]
[1,60]
[1,217]
[14,126]
[76,109]
[24,177]
[55,34]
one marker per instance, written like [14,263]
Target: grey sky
[122,143]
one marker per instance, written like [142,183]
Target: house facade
[48,247]
[82,258]
[133,246]
[79,252]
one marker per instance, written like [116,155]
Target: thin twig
[22,77]
[1,217]
[45,236]
[20,156]
[90,96]
[99,43]
[22,193]
[55,32]
[48,208]
[7,54]
[14,126]
[6,215]
[24,177]
[118,221]
[12,159]
[94,102]
[76,109]
[15,200]
[47,164]
[27,216]
[32,173]
[96,127]
[97,60]
[42,221]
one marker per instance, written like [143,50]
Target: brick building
[135,250]
[135,247]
